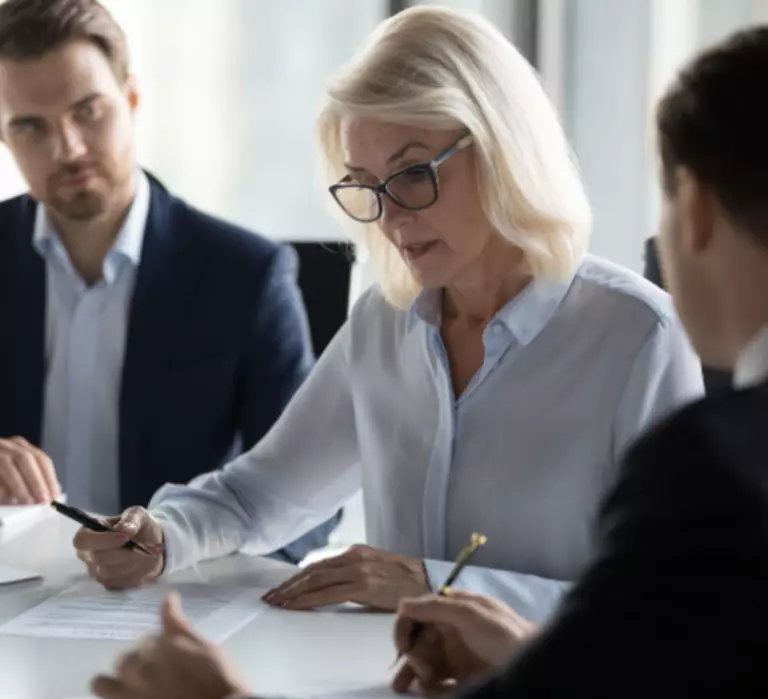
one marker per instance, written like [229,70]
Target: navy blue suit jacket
[217,344]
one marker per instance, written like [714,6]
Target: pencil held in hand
[465,554]
[462,560]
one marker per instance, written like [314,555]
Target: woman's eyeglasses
[414,188]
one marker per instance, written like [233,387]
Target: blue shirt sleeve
[534,598]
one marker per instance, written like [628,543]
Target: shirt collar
[752,367]
[129,241]
[525,315]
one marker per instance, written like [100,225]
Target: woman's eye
[417,175]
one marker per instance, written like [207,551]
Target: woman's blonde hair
[436,68]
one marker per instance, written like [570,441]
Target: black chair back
[325,272]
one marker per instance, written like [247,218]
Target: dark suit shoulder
[14,205]
[674,597]
[17,217]
[725,431]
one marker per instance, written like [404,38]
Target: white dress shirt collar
[127,245]
[752,367]
[525,315]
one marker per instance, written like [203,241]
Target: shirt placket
[438,475]
[83,342]
[497,341]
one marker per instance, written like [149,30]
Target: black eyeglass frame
[429,167]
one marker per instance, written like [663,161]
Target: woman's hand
[467,635]
[118,568]
[363,575]
[175,664]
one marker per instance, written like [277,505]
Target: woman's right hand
[118,568]
[466,635]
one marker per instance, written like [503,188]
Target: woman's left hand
[175,664]
[363,575]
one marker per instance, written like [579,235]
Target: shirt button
[496,328]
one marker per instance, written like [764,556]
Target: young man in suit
[675,602]
[144,340]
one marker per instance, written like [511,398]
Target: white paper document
[12,575]
[88,611]
[15,519]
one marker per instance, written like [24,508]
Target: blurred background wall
[230,92]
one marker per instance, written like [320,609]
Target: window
[612,61]
[229,97]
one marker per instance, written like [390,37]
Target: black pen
[465,554]
[94,525]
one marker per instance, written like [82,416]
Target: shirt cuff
[534,598]
[438,572]
[177,547]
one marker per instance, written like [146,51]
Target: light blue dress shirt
[85,336]
[572,373]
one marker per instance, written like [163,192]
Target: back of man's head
[29,29]
[713,122]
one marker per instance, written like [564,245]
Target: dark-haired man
[143,340]
[675,603]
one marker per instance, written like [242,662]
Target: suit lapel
[22,308]
[165,276]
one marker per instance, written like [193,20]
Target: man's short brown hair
[714,121]
[29,29]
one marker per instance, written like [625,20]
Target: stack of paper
[11,575]
[14,519]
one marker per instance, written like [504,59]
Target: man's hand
[466,636]
[112,565]
[175,664]
[27,476]
[363,575]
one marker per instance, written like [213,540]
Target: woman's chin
[429,281]
[429,276]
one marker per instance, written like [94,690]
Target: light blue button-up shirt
[572,373]
[85,336]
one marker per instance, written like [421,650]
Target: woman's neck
[476,305]
[478,295]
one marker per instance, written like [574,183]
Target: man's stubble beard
[83,206]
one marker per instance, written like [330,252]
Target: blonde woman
[488,383]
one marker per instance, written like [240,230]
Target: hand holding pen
[455,636]
[123,552]
[462,560]
[94,525]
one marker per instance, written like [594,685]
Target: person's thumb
[174,621]
[130,522]
[403,680]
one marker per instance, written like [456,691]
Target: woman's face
[440,244]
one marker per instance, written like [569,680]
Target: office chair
[325,271]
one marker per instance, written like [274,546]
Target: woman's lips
[415,251]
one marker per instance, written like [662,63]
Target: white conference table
[280,653]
